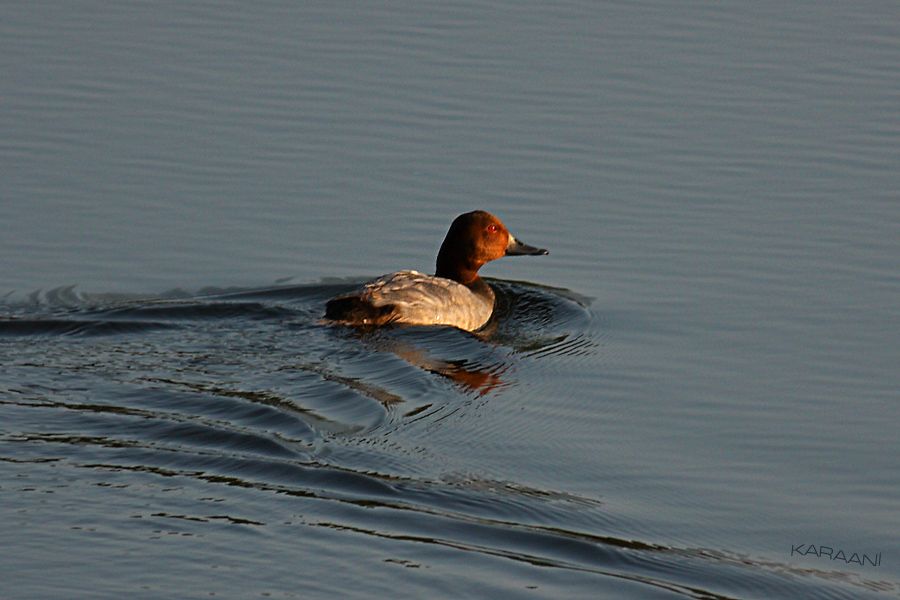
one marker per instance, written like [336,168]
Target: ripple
[77,327]
[358,429]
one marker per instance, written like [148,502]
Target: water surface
[700,377]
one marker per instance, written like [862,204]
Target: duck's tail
[353,310]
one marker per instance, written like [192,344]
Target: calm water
[694,393]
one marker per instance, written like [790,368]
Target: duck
[454,296]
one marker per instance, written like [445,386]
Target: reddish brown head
[474,239]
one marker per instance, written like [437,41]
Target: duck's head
[475,238]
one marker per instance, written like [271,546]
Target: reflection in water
[471,377]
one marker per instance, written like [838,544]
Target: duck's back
[414,298]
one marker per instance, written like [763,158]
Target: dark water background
[702,375]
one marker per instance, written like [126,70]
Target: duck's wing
[415,298]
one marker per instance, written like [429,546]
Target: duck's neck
[464,273]
[461,271]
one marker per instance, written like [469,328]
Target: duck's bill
[517,248]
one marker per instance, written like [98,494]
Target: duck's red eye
[493,228]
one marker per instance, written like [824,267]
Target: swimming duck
[455,295]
